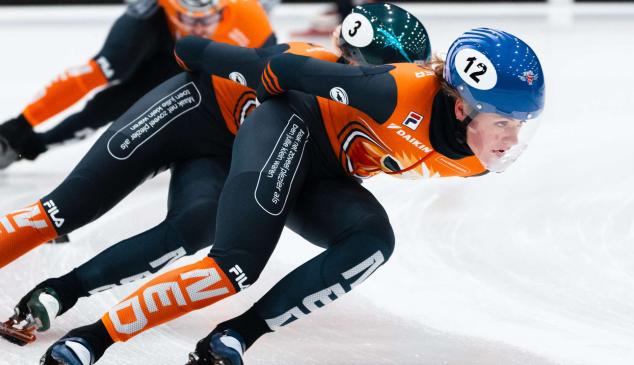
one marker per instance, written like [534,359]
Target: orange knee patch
[63,92]
[168,296]
[23,230]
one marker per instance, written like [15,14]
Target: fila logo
[240,278]
[326,296]
[53,210]
[106,68]
[413,120]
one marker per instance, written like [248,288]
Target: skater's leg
[189,226]
[193,200]
[268,168]
[144,139]
[350,222]
[110,103]
[105,107]
[250,219]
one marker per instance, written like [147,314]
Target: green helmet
[382,33]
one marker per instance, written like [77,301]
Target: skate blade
[18,336]
[58,240]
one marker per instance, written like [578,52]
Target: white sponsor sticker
[476,69]
[339,94]
[238,77]
[357,30]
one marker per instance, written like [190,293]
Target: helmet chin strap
[461,131]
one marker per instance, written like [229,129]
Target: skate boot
[34,313]
[69,351]
[218,348]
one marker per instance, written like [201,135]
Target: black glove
[65,290]
[20,135]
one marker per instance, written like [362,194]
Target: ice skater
[136,56]
[297,160]
[188,123]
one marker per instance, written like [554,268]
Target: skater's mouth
[498,153]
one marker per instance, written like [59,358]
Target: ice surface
[533,266]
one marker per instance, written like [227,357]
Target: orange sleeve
[65,91]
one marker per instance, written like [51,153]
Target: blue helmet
[496,72]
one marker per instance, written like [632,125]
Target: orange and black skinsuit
[187,123]
[136,57]
[296,161]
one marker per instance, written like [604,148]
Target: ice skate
[68,351]
[33,314]
[20,331]
[219,348]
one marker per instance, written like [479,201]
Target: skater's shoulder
[312,50]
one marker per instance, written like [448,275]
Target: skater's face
[490,135]
[200,26]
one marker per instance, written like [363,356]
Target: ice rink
[533,266]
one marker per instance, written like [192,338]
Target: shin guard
[168,296]
[22,231]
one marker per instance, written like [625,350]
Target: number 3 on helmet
[375,34]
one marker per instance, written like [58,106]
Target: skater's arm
[370,89]
[196,54]
[133,39]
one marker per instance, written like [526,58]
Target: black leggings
[189,226]
[172,123]
[279,175]
[110,103]
[172,126]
